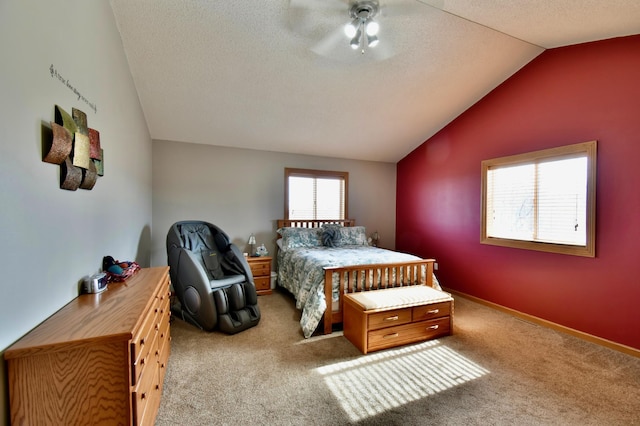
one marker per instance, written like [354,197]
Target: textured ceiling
[279,75]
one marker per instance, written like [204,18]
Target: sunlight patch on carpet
[375,383]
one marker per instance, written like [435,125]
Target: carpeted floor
[494,370]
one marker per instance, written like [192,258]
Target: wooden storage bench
[380,319]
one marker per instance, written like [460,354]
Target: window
[315,194]
[543,200]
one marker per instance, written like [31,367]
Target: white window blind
[545,201]
[316,197]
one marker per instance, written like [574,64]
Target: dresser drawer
[260,268]
[389,318]
[407,333]
[163,357]
[164,336]
[142,346]
[434,310]
[262,283]
[143,393]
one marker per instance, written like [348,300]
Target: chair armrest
[192,276]
[191,270]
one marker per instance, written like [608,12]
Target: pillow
[352,236]
[330,236]
[300,237]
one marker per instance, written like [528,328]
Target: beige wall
[242,191]
[52,238]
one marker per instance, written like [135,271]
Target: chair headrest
[196,237]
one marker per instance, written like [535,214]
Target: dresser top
[112,314]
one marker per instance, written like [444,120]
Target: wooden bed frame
[356,278]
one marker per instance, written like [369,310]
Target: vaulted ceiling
[279,75]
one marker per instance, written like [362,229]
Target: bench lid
[390,298]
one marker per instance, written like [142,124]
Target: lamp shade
[252,239]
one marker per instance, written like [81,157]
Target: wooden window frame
[587,250]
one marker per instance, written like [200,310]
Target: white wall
[52,238]
[242,191]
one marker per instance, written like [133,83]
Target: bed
[321,260]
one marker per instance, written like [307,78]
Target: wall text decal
[55,74]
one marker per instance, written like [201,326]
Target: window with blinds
[544,200]
[315,194]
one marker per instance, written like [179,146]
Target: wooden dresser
[101,359]
[380,319]
[261,271]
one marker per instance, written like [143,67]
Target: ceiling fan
[345,29]
[363,29]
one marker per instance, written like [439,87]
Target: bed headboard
[308,223]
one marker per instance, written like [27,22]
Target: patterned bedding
[300,271]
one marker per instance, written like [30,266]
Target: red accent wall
[566,95]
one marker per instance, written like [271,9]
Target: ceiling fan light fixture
[355,41]
[351,28]
[372,41]
[372,27]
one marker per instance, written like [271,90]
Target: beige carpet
[494,370]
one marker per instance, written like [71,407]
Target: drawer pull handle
[143,396]
[389,336]
[433,311]
[393,318]
[433,327]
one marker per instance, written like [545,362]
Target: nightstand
[261,270]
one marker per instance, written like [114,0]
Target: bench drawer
[408,333]
[431,311]
[389,318]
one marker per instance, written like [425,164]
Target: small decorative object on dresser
[261,270]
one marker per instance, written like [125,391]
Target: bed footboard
[350,279]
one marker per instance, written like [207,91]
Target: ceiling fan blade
[334,43]
[391,8]
[319,4]
[310,18]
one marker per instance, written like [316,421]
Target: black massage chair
[211,278]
